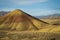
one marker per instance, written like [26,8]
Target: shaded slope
[19,20]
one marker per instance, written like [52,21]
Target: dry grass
[28,35]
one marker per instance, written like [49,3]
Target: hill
[18,25]
[19,20]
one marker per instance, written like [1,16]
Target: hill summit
[16,12]
[20,21]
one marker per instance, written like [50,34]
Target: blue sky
[32,7]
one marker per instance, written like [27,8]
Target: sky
[32,7]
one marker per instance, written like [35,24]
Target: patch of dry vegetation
[26,35]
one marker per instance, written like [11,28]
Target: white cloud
[39,12]
[7,9]
[27,2]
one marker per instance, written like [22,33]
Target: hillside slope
[21,21]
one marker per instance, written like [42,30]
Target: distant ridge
[3,13]
[20,21]
[52,16]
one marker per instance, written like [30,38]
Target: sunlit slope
[54,25]
[51,28]
[19,20]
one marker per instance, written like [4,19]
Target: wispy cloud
[27,2]
[40,12]
[7,9]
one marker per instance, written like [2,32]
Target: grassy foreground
[28,35]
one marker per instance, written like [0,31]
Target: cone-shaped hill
[21,21]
